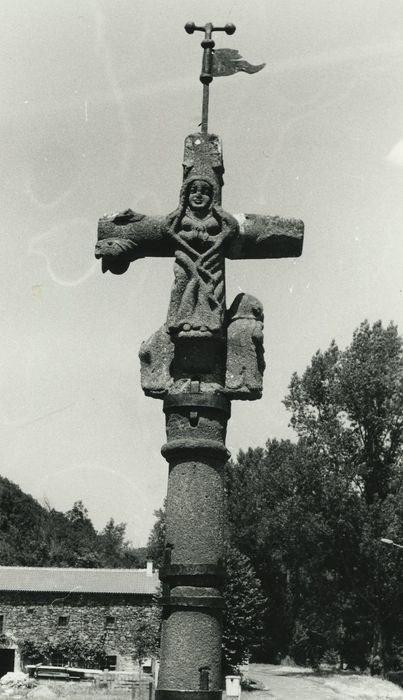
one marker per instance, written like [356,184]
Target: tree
[21,527]
[347,406]
[38,535]
[115,550]
[245,606]
[310,514]
[156,540]
[351,402]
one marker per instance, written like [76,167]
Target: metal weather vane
[204,356]
[217,62]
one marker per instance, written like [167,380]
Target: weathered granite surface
[245,352]
[203,357]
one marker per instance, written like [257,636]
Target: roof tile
[38,579]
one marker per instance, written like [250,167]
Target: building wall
[38,615]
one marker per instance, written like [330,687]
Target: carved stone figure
[156,357]
[116,254]
[197,362]
[245,353]
[199,228]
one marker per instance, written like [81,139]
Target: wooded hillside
[35,535]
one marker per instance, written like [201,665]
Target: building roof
[38,579]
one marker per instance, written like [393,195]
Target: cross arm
[266,237]
[128,236]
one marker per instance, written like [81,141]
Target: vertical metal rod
[206,75]
[204,124]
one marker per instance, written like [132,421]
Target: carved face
[200,195]
[116,254]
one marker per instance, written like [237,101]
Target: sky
[97,99]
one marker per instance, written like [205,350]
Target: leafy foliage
[21,526]
[89,650]
[146,636]
[114,549]
[73,648]
[156,540]
[244,609]
[316,509]
[34,535]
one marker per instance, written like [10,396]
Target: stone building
[91,604]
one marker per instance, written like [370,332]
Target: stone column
[192,607]
[201,358]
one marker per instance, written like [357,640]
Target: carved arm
[128,236]
[266,237]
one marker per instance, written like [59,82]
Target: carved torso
[197,303]
[199,233]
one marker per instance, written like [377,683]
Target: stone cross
[200,235]
[204,356]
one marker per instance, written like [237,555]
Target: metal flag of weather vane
[204,356]
[217,62]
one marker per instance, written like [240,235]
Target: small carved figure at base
[156,357]
[245,353]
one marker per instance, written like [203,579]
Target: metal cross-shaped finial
[206,75]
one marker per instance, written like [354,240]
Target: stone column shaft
[192,574]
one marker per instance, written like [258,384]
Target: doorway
[7,659]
